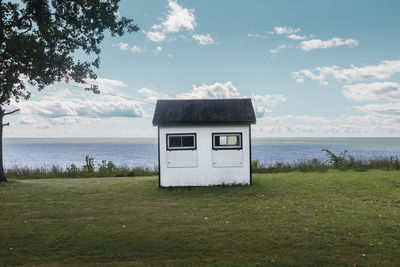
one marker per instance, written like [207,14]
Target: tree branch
[6,124]
[8,113]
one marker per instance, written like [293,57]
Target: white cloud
[123,46]
[275,50]
[169,55]
[372,91]
[217,90]
[25,119]
[68,120]
[136,49]
[285,30]
[320,44]
[382,109]
[155,36]
[152,95]
[159,48]
[256,35]
[374,72]
[294,119]
[104,85]
[66,107]
[178,18]
[268,100]
[204,39]
[53,106]
[261,103]
[296,37]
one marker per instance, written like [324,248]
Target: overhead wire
[126,97]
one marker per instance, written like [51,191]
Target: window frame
[240,147]
[181,148]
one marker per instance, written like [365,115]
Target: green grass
[318,219]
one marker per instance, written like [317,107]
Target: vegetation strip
[342,161]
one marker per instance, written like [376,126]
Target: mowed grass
[319,219]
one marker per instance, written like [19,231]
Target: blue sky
[312,68]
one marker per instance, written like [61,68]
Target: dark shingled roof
[204,111]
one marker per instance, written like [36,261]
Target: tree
[39,39]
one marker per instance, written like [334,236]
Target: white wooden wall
[204,166]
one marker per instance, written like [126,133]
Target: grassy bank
[331,218]
[105,169]
[342,162]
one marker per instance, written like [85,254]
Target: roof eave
[204,123]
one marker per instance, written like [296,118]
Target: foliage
[88,168]
[39,38]
[105,169]
[337,161]
[109,169]
[334,218]
[38,41]
[343,161]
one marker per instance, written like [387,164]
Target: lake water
[143,151]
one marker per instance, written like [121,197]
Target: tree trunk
[2,175]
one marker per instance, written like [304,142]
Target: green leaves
[39,39]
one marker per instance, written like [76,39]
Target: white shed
[204,142]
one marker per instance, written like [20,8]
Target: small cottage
[203,142]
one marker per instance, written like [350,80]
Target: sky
[311,68]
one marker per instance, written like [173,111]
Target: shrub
[88,168]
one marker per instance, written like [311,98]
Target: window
[227,141]
[181,141]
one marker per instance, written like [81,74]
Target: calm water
[143,151]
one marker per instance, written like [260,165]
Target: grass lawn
[331,218]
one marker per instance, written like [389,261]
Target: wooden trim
[203,123]
[251,172]
[159,165]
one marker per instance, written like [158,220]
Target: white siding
[204,166]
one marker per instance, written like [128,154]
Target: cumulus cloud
[155,36]
[178,18]
[136,49]
[268,100]
[152,95]
[296,37]
[104,85]
[217,90]
[275,50]
[261,103]
[66,107]
[320,44]
[285,30]
[293,118]
[159,48]
[256,35]
[372,91]
[203,39]
[381,71]
[383,109]
[123,46]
